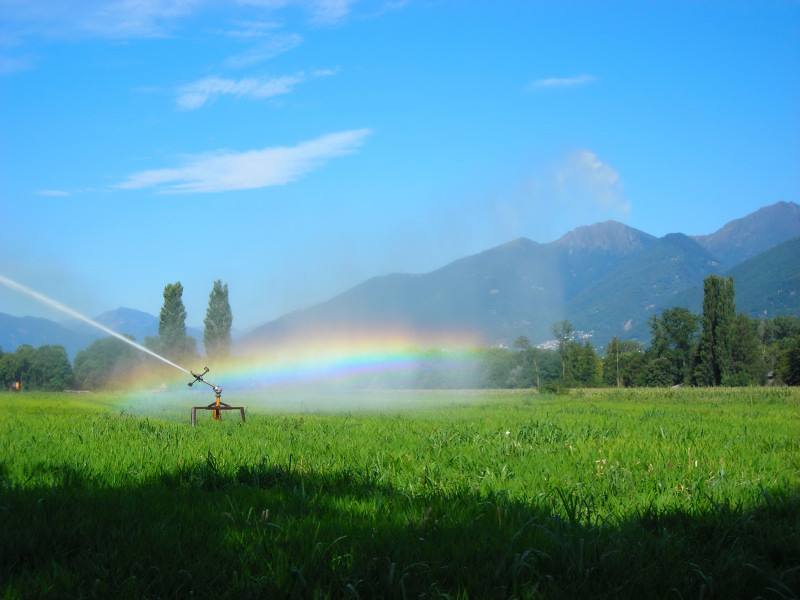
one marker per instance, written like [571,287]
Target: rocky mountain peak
[608,236]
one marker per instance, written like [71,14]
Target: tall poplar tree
[218,321]
[714,354]
[172,340]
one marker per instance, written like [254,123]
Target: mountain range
[606,279]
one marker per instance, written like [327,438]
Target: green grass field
[691,493]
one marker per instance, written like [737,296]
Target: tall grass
[603,494]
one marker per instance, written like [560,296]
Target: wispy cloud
[562,82]
[137,18]
[323,12]
[195,95]
[227,171]
[199,93]
[122,19]
[268,48]
[53,193]
[246,30]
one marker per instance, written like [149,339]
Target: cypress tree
[172,338]
[218,321]
[715,351]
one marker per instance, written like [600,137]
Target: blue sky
[295,148]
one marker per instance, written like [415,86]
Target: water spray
[75,314]
[217,406]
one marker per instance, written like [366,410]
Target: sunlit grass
[601,493]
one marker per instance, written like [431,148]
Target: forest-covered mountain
[607,279]
[767,284]
[622,302]
[743,238]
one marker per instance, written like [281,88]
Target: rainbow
[338,359]
[305,372]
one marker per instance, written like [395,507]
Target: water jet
[75,314]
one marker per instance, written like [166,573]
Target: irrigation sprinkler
[217,406]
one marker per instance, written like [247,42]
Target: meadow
[686,493]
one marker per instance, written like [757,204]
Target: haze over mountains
[607,279]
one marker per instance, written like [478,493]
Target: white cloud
[226,171]
[53,193]
[323,12]
[324,72]
[195,95]
[590,185]
[562,82]
[329,11]
[137,18]
[67,19]
[271,47]
[252,29]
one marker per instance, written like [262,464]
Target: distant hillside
[488,293]
[769,284]
[18,331]
[610,237]
[623,301]
[128,321]
[519,288]
[588,254]
[766,285]
[753,234]
[76,335]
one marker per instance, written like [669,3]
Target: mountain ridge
[607,235]
[522,287]
[761,230]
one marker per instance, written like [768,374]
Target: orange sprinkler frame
[217,406]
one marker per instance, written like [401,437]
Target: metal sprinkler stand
[217,406]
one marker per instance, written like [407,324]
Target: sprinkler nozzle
[199,377]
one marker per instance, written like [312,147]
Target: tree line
[717,347]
